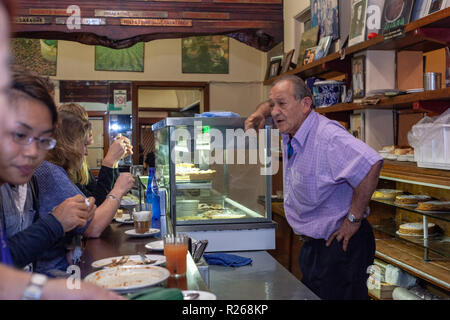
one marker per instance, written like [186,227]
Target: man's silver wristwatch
[34,288]
[352,218]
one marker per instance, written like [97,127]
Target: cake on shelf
[386,194]
[411,198]
[415,229]
[434,206]
[186,172]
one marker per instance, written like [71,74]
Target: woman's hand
[117,150]
[123,184]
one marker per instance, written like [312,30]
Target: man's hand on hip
[345,232]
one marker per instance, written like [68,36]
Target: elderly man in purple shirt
[329,177]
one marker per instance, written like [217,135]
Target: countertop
[264,279]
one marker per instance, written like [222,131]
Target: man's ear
[306,104]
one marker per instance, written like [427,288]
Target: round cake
[386,194]
[411,198]
[434,206]
[415,228]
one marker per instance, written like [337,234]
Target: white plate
[155,245]
[128,278]
[150,232]
[133,260]
[203,295]
[124,219]
[414,235]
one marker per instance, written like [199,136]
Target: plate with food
[130,260]
[125,218]
[124,279]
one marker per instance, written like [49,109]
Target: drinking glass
[175,250]
[142,221]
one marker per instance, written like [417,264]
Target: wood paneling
[258,23]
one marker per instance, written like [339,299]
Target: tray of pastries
[186,172]
[411,199]
[434,206]
[386,194]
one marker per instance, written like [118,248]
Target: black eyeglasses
[26,140]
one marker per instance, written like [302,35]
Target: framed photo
[128,59]
[287,61]
[309,55]
[36,55]
[309,39]
[358,76]
[396,14]
[323,47]
[357,126]
[357,22]
[205,54]
[419,9]
[374,12]
[435,5]
[325,15]
[273,68]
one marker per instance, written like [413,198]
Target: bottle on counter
[152,196]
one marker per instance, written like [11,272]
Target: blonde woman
[99,187]
[56,179]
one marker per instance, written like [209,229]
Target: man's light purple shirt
[328,163]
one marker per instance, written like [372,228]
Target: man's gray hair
[301,90]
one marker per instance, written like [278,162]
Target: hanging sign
[32,20]
[84,21]
[156,22]
[131,14]
[120,100]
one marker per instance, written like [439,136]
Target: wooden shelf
[409,257]
[409,172]
[426,34]
[399,102]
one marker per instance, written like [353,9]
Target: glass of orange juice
[175,250]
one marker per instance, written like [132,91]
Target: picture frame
[36,55]
[309,55]
[128,59]
[374,13]
[357,22]
[325,15]
[287,59]
[435,6]
[323,47]
[358,77]
[396,14]
[309,39]
[205,54]
[273,69]
[419,9]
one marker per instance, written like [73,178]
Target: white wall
[240,90]
[291,9]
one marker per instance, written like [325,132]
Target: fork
[145,260]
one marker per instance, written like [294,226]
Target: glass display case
[213,173]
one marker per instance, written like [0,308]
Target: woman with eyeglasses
[30,136]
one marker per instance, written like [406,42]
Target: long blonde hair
[82,175]
[71,133]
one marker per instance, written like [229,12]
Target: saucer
[149,233]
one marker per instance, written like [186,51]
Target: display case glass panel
[214,172]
